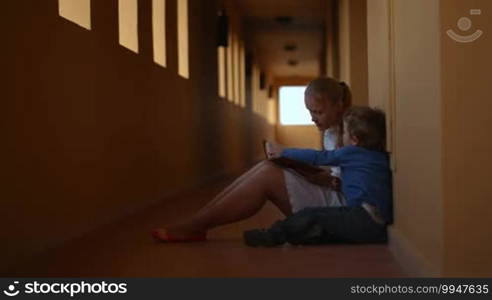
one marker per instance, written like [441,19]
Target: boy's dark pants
[321,225]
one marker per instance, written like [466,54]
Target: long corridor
[114,112]
[125,249]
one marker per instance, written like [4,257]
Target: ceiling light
[292,62]
[290,47]
[284,20]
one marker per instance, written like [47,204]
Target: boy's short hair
[368,125]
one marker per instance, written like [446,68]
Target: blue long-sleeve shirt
[366,175]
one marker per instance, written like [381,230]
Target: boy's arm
[301,162]
[299,166]
[312,174]
[312,157]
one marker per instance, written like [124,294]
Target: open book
[298,166]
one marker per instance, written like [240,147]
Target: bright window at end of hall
[292,109]
[77,11]
[183,59]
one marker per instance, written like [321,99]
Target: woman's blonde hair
[330,89]
[334,91]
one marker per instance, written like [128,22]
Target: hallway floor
[126,249]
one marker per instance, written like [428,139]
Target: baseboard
[413,263]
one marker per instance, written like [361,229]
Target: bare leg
[250,173]
[242,199]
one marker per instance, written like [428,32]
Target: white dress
[303,194]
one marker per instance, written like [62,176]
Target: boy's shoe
[260,237]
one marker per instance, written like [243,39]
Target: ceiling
[267,35]
[273,8]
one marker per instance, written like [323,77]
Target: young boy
[366,184]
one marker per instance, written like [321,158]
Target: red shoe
[162,235]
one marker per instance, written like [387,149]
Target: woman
[326,99]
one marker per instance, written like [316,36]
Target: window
[221,65]
[183,67]
[78,11]
[292,108]
[128,24]
[242,74]
[235,62]
[159,31]
[230,77]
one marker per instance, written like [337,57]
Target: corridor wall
[352,48]
[92,131]
[466,119]
[435,90]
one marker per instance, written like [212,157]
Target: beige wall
[378,52]
[91,131]
[353,48]
[379,66]
[417,234]
[467,145]
[442,148]
[344,39]
[299,136]
[418,175]
[332,56]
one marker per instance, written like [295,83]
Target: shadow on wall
[95,131]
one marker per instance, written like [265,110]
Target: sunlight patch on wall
[183,58]
[77,11]
[230,77]
[242,71]
[237,78]
[272,112]
[159,31]
[128,24]
[256,89]
[221,65]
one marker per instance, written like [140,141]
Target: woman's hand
[324,178]
[272,149]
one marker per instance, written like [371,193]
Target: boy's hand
[324,178]
[272,149]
